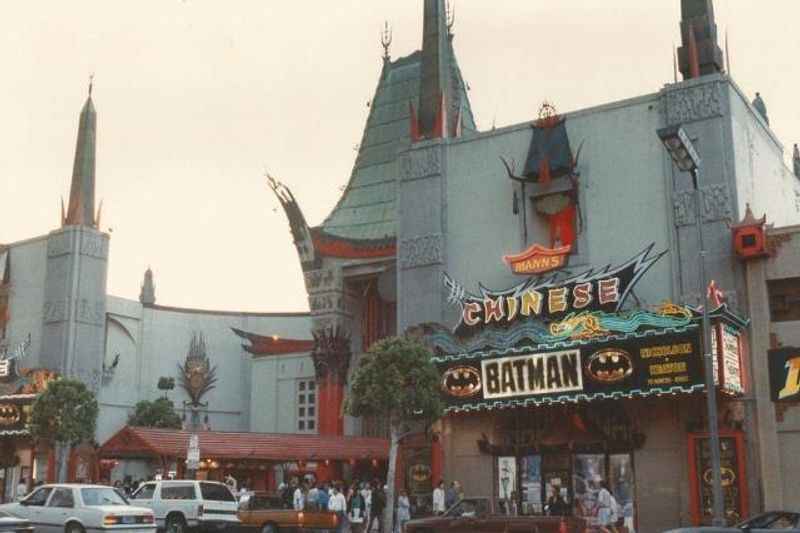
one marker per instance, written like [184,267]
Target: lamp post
[686,158]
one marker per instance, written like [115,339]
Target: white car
[72,508]
[179,505]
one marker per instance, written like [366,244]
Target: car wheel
[74,528]
[269,528]
[175,524]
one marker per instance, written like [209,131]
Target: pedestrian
[403,511]
[338,505]
[459,491]
[439,499]
[378,505]
[355,510]
[607,513]
[22,488]
[450,496]
[299,497]
[312,501]
[556,505]
[366,493]
[322,497]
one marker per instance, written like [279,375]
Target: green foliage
[66,412]
[396,380]
[159,413]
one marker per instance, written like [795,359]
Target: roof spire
[147,296]
[451,19]
[80,210]
[386,40]
[435,85]
[699,37]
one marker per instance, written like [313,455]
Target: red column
[331,396]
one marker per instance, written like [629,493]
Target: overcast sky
[196,98]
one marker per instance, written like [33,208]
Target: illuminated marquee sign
[538,259]
[784,374]
[540,373]
[663,361]
[549,298]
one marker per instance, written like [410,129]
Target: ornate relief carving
[323,280]
[422,251]
[55,311]
[693,103]
[331,353]
[421,163]
[716,203]
[94,245]
[90,312]
[58,244]
[683,206]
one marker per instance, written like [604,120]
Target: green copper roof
[367,208]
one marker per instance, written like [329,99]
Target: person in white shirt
[22,488]
[366,493]
[300,497]
[438,499]
[338,505]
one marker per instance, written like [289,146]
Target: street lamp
[686,158]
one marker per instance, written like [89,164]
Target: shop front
[555,392]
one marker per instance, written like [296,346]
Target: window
[784,299]
[184,491]
[62,498]
[146,492]
[38,497]
[101,496]
[216,492]
[307,406]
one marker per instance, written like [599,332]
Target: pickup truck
[476,515]
[268,514]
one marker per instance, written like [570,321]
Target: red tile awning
[139,442]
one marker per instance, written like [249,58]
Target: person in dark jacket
[378,505]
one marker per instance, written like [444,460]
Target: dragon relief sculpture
[196,375]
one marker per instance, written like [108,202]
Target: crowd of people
[359,506]
[444,497]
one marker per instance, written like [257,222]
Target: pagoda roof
[366,211]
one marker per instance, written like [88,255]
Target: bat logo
[9,415]
[610,365]
[461,381]
[727,476]
[420,473]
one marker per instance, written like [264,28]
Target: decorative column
[331,355]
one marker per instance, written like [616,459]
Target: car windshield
[469,508]
[101,496]
[774,520]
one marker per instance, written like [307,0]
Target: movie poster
[729,470]
[588,472]
[531,481]
[621,483]
[506,477]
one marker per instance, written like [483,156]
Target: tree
[159,413]
[65,414]
[397,381]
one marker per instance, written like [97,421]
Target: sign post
[193,455]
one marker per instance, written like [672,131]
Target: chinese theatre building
[523,256]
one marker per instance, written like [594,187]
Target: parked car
[14,524]
[179,505]
[477,515]
[74,508]
[786,521]
[268,514]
